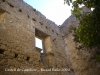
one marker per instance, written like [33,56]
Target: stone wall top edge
[21,3]
[49,22]
[28,10]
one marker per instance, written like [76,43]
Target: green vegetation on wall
[88,31]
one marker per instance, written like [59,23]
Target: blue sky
[54,10]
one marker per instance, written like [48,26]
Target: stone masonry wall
[19,24]
[82,58]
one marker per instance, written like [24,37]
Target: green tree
[88,31]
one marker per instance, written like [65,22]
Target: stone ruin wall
[81,58]
[19,24]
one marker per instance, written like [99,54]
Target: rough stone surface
[81,58]
[20,24]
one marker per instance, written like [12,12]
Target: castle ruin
[20,24]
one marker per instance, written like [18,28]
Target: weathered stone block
[9,54]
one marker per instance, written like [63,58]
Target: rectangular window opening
[39,44]
[42,42]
